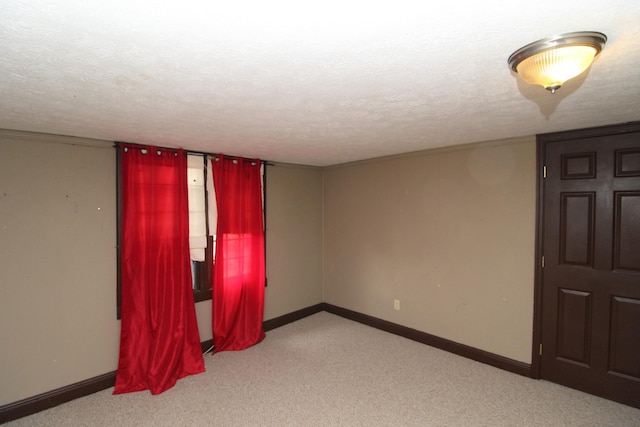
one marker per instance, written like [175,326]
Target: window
[201,243]
[202,224]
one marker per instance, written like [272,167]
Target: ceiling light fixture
[552,61]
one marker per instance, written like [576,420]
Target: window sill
[202,295]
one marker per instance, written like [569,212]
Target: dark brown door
[591,274]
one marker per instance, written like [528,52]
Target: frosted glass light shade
[551,62]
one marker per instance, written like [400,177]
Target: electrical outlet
[396,304]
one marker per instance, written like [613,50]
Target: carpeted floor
[328,371]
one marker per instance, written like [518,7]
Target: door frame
[541,143]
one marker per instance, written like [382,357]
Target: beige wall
[57,263]
[449,233]
[58,258]
[294,239]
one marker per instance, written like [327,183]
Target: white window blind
[212,206]
[197,211]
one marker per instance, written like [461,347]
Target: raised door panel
[578,165]
[627,162]
[576,230]
[574,326]
[624,352]
[627,231]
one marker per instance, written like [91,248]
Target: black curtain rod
[201,153]
[228,157]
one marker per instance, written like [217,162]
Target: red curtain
[239,272]
[159,340]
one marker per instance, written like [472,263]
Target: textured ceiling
[317,83]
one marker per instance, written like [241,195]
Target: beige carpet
[328,371]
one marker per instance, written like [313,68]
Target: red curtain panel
[159,341]
[239,272]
